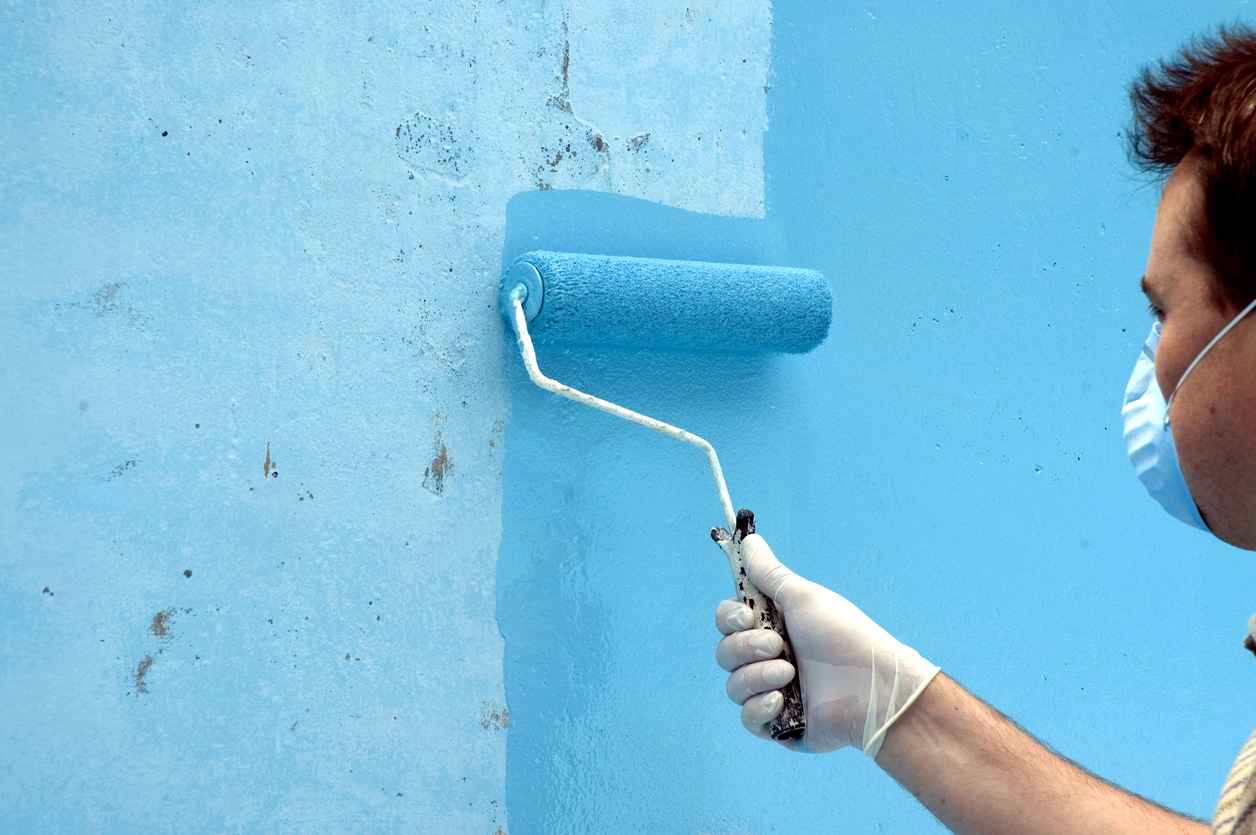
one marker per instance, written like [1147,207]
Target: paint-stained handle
[791,722]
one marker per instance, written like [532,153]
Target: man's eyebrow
[1153,297]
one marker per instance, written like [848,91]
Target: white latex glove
[857,680]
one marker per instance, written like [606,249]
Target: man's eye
[1156,313]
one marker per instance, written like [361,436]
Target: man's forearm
[981,775]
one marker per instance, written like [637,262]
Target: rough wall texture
[255,389]
[259,525]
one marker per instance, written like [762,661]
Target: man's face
[1213,417]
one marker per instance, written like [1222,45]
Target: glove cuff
[872,745]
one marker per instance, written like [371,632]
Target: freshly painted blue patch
[964,478]
[951,458]
[606,572]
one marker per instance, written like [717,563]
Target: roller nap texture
[682,305]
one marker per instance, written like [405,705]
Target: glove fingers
[766,571]
[743,648]
[760,677]
[733,616]
[759,710]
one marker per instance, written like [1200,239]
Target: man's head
[1196,117]
[1202,105]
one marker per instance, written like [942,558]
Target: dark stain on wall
[105,300]
[108,301]
[120,469]
[564,153]
[432,146]
[561,100]
[270,467]
[441,466]
[160,626]
[491,718]
[161,623]
[140,672]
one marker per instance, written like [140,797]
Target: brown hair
[1203,103]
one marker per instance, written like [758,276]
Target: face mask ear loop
[1195,362]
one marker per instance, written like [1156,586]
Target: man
[1194,118]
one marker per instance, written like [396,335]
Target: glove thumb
[766,571]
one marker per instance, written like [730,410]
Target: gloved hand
[856,678]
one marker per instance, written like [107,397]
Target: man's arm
[982,775]
[970,766]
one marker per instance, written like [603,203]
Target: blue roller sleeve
[682,305]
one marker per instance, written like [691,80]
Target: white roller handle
[790,723]
[529,360]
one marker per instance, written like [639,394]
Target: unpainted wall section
[256,394]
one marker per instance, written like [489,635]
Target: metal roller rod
[519,320]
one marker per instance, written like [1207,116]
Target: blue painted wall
[951,459]
[239,242]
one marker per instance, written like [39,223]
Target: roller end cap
[522,274]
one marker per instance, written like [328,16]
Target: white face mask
[1147,433]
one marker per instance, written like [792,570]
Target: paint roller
[604,300]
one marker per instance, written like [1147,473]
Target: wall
[257,385]
[973,206]
[291,544]
[951,459]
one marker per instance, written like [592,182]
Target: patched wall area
[252,484]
